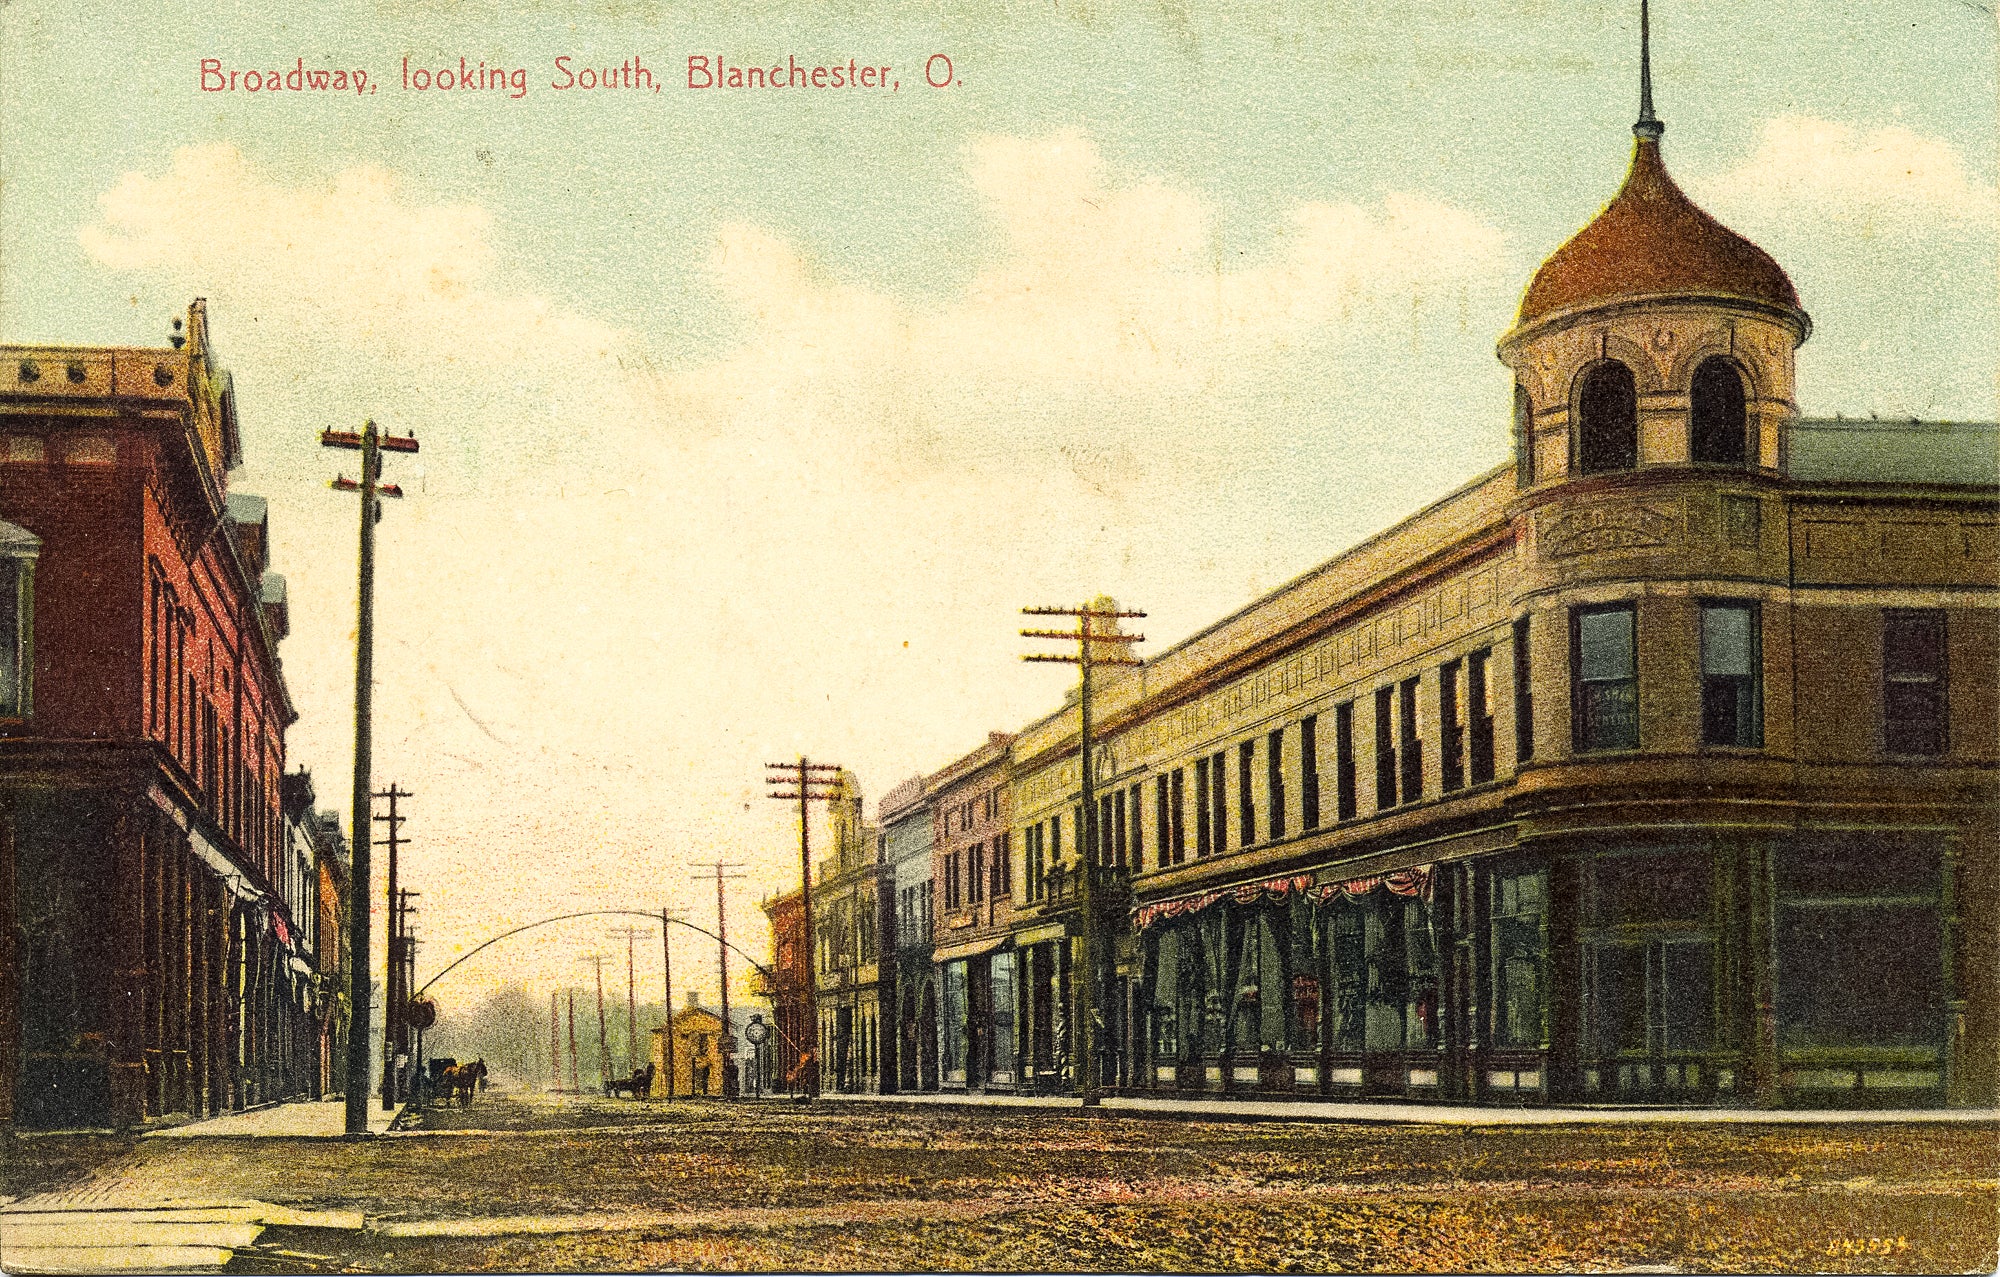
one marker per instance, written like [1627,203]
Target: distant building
[787,988]
[909,985]
[698,1050]
[148,931]
[975,959]
[846,920]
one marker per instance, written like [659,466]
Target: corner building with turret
[1655,766]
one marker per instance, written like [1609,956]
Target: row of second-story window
[984,807]
[844,936]
[974,873]
[914,913]
[1604,678]
[238,793]
[1223,808]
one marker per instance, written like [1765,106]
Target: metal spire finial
[1649,125]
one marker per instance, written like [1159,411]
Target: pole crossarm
[591,913]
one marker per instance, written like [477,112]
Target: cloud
[1108,300]
[1888,179]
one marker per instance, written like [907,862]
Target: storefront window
[1860,943]
[1003,1017]
[1420,1009]
[1258,1020]
[1518,904]
[954,1021]
[1388,983]
[1349,952]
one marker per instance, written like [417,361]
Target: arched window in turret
[1607,419]
[1717,423]
[1524,438]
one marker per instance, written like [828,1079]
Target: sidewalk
[295,1119]
[1420,1114]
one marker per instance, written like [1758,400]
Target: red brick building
[791,970]
[149,952]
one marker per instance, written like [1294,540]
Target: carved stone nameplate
[1608,527]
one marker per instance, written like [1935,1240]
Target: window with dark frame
[1003,866]
[1218,796]
[1479,712]
[1309,772]
[1346,803]
[1201,835]
[1163,831]
[1179,809]
[1385,748]
[1524,694]
[1732,710]
[1274,783]
[1607,436]
[1411,746]
[975,872]
[1136,798]
[1246,805]
[1604,677]
[1913,681]
[1451,749]
[1524,438]
[1718,423]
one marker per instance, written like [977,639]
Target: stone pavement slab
[38,1237]
[299,1119]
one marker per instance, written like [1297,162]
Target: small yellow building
[697,1057]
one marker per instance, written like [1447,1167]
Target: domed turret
[1651,240]
[1656,336]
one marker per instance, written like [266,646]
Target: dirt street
[543,1183]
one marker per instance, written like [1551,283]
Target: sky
[751,417]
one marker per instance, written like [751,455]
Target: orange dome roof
[1652,239]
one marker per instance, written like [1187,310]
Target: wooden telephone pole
[667,971]
[809,782]
[395,988]
[631,997]
[370,444]
[722,968]
[1089,851]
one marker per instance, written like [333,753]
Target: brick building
[143,854]
[786,987]
[1657,765]
[974,957]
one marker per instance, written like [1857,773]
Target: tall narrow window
[1412,746]
[1179,810]
[1055,839]
[1135,801]
[1201,834]
[1451,749]
[1246,807]
[1162,824]
[1524,695]
[1119,829]
[1607,420]
[1718,426]
[1346,803]
[1524,438]
[1385,748]
[1218,795]
[1604,672]
[1309,772]
[1913,682]
[1479,712]
[975,872]
[1274,783]
[1732,712]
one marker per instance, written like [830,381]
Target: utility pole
[1089,853]
[370,445]
[396,991]
[575,1082]
[631,998]
[555,1050]
[722,968]
[667,971]
[603,1051]
[809,782]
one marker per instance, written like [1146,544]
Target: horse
[461,1080]
[638,1086]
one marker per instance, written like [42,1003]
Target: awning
[970,949]
[238,883]
[1051,931]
